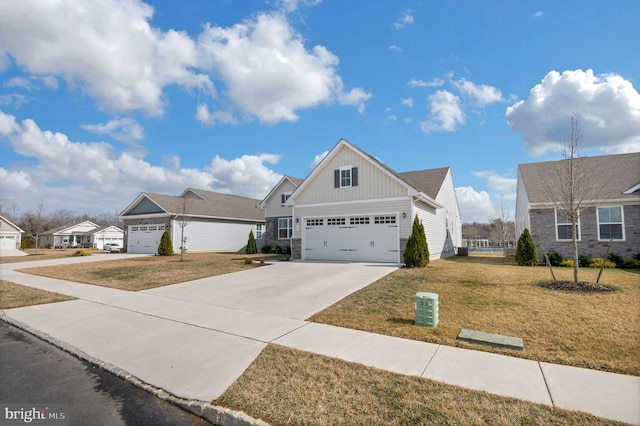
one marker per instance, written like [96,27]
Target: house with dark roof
[197,219]
[611,218]
[352,207]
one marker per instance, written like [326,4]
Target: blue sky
[102,100]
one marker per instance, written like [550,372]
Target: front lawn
[141,273]
[491,294]
[15,296]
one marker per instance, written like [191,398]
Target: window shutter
[336,178]
[283,199]
[354,176]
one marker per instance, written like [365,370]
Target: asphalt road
[33,371]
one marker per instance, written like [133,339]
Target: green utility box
[426,307]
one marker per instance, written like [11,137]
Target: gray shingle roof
[615,173]
[214,204]
[427,181]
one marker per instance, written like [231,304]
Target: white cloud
[318,158]
[445,113]
[435,82]
[106,48]
[474,206]
[205,116]
[14,181]
[505,186]
[538,14]
[21,82]
[405,19]
[608,105]
[407,102]
[268,71]
[125,130]
[482,94]
[101,177]
[395,48]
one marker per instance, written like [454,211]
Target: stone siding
[543,232]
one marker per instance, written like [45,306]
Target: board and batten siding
[204,235]
[373,183]
[274,207]
[395,206]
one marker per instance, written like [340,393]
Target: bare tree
[502,228]
[570,188]
[182,219]
[34,223]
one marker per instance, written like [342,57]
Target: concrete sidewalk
[195,339]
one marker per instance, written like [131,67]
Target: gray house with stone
[278,216]
[612,217]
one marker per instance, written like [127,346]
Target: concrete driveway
[192,339]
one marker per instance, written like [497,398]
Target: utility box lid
[424,295]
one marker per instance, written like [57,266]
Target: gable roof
[616,174]
[68,227]
[417,188]
[427,181]
[211,204]
[294,180]
[5,218]
[105,228]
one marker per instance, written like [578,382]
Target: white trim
[621,223]
[632,189]
[344,203]
[578,224]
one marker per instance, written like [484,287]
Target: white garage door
[144,238]
[7,242]
[362,238]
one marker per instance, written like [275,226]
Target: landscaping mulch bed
[584,287]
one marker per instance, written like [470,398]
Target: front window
[259,230]
[610,223]
[563,227]
[345,177]
[285,228]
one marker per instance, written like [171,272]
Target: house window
[284,197]
[610,223]
[335,221]
[259,230]
[315,222]
[563,227]
[285,228]
[359,221]
[345,177]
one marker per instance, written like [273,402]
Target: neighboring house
[10,234]
[69,235]
[213,221]
[106,234]
[352,207]
[612,218]
[278,216]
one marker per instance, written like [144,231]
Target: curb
[212,413]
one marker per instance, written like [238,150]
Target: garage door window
[359,221]
[335,221]
[134,229]
[315,222]
[384,219]
[285,228]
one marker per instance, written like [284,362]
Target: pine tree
[251,244]
[526,253]
[416,253]
[165,248]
